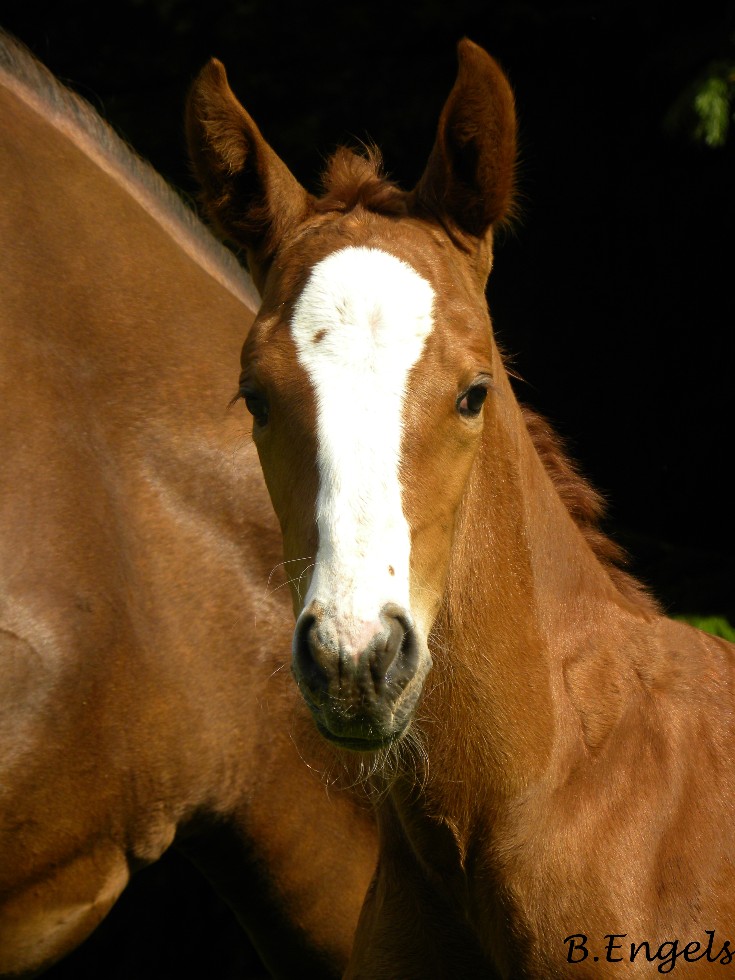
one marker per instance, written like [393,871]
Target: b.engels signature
[614,949]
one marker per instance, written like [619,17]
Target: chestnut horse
[571,814]
[142,630]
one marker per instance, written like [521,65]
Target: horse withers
[563,806]
[142,627]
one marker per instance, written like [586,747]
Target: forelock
[354,180]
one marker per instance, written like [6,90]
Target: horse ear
[249,194]
[468,181]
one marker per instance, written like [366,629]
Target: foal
[574,816]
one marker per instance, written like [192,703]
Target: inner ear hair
[248,193]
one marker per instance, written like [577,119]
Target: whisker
[287,561]
[276,589]
[298,583]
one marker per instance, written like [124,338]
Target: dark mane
[586,507]
[356,179]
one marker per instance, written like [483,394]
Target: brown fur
[144,694]
[568,766]
[354,180]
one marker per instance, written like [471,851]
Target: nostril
[397,633]
[354,659]
[386,648]
[395,658]
[405,663]
[306,665]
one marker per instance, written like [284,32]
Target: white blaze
[359,326]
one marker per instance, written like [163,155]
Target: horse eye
[257,406]
[470,403]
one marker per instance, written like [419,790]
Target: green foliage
[704,110]
[712,105]
[717,625]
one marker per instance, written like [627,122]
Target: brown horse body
[573,815]
[142,631]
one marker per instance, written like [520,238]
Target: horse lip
[362,731]
[356,744]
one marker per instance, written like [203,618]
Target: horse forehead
[362,306]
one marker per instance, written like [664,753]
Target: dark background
[613,295]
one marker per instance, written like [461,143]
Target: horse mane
[22,73]
[586,507]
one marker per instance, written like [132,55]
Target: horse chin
[364,732]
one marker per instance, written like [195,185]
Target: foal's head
[366,373]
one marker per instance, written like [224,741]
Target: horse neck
[524,594]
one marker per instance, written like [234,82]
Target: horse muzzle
[361,680]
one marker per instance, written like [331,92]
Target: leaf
[712,105]
[716,625]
